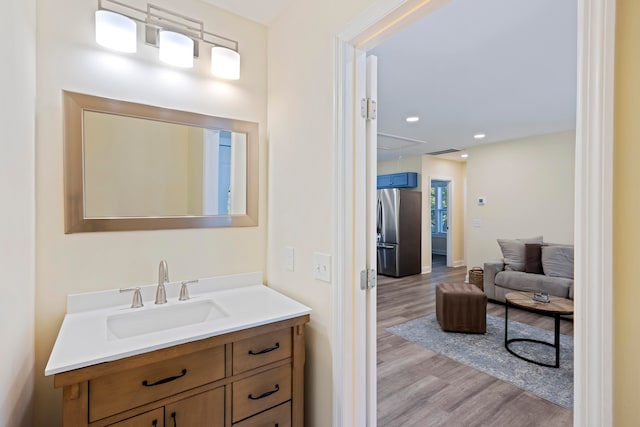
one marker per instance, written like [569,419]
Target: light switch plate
[476,223]
[322,267]
[289,258]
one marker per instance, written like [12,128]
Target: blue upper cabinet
[398,180]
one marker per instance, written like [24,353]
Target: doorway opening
[439,194]
[593,207]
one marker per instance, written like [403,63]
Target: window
[439,197]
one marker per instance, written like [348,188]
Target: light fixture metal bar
[110,7]
[159,15]
[161,18]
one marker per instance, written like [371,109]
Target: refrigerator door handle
[386,246]
[379,226]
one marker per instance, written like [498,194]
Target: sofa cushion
[527,282]
[557,261]
[513,252]
[533,258]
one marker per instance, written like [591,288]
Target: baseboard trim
[426,269]
[459,263]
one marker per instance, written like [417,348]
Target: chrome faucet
[163,277]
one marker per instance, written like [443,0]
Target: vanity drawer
[260,392]
[130,388]
[261,350]
[279,416]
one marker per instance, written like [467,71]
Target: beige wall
[626,210]
[529,189]
[68,58]
[17,217]
[301,173]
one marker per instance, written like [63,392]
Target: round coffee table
[555,308]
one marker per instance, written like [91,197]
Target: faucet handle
[137,296]
[184,290]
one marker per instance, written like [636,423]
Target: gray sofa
[553,274]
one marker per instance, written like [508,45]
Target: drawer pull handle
[175,419]
[263,395]
[165,380]
[154,423]
[266,350]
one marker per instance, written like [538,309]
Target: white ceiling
[263,11]
[506,68]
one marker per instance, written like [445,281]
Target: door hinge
[367,279]
[368,109]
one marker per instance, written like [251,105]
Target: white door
[372,202]
[365,237]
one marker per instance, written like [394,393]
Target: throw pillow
[513,252]
[557,261]
[533,258]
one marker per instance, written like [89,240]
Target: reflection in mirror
[140,168]
[137,167]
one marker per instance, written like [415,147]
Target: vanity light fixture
[175,49]
[178,37]
[479,136]
[464,156]
[412,119]
[225,63]
[115,31]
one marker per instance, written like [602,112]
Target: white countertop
[84,340]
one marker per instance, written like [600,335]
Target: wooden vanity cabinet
[249,378]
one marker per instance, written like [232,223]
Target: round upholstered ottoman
[461,307]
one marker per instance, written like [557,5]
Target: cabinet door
[153,418]
[399,180]
[384,181]
[202,410]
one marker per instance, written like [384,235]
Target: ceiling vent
[447,151]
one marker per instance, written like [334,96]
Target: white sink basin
[156,319]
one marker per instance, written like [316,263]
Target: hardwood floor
[418,387]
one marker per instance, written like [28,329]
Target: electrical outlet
[289,258]
[322,267]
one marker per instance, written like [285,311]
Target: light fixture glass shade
[225,63]
[176,49]
[115,31]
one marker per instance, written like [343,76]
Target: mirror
[137,167]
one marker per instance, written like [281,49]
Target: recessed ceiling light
[412,119]
[479,135]
[464,156]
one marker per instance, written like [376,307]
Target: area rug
[487,354]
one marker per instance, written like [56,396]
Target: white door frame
[593,205]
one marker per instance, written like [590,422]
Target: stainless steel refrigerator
[399,232]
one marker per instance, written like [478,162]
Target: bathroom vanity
[239,364]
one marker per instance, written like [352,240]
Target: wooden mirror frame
[74,218]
